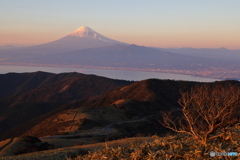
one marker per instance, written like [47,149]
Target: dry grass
[64,153]
[2,143]
[181,146]
[8,150]
[63,143]
[73,117]
[110,114]
[70,121]
[56,154]
[118,101]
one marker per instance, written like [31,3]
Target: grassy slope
[180,146]
[4,143]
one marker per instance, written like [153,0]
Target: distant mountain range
[7,46]
[86,48]
[121,56]
[218,53]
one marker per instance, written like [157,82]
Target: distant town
[214,72]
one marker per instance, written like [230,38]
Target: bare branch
[205,109]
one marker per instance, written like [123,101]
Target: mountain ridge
[39,93]
[218,53]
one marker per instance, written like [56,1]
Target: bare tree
[205,109]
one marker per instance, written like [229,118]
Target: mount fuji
[82,38]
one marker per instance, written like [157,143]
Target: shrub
[205,110]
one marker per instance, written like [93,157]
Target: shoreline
[194,74]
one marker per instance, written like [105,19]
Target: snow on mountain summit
[82,38]
[86,32]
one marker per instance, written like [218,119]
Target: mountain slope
[128,103]
[137,101]
[129,56]
[82,38]
[141,101]
[15,83]
[44,92]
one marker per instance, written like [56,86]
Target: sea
[114,74]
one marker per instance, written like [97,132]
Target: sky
[156,23]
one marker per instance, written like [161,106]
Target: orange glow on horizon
[163,41]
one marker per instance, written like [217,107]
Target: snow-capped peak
[85,31]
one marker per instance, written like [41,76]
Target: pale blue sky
[159,23]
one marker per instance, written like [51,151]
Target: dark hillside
[72,88]
[103,101]
[15,83]
[164,92]
[139,99]
[48,92]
